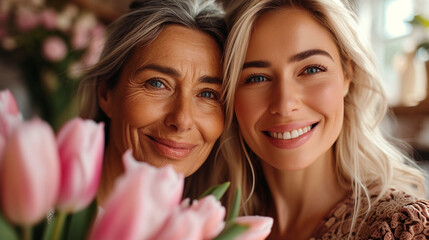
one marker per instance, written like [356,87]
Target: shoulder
[398,215]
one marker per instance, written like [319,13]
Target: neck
[112,168]
[303,198]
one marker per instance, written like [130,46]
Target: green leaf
[81,222]
[231,232]
[218,191]
[49,228]
[55,229]
[6,230]
[235,208]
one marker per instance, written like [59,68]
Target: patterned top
[396,216]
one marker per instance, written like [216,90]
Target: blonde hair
[139,27]
[363,153]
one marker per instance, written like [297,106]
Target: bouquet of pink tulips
[48,185]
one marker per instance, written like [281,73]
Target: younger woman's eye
[314,69]
[256,79]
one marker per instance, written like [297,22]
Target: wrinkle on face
[187,63]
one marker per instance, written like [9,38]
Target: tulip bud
[10,117]
[202,220]
[8,103]
[81,148]
[211,213]
[259,227]
[140,203]
[182,224]
[29,173]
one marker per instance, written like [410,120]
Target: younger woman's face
[290,98]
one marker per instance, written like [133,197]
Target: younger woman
[308,104]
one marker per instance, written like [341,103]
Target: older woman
[157,87]
[308,102]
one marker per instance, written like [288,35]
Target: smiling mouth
[290,134]
[172,149]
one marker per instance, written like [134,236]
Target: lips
[290,136]
[172,149]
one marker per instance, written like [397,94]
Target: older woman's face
[166,106]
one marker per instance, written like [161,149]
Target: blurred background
[46,45]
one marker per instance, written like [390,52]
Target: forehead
[291,29]
[177,46]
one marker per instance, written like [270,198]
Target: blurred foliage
[53,42]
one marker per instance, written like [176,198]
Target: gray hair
[139,27]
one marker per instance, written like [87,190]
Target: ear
[348,76]
[104,98]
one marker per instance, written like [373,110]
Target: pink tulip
[8,103]
[182,224]
[141,201]
[81,147]
[10,117]
[259,227]
[54,49]
[211,213]
[29,173]
[202,220]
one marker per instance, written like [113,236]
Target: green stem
[56,235]
[27,233]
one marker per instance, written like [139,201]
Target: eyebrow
[208,79]
[162,69]
[306,54]
[295,58]
[256,64]
[174,73]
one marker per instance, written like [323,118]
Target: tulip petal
[10,117]
[29,173]
[81,147]
[182,224]
[142,200]
[8,103]
[211,213]
[260,227]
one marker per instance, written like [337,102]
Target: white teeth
[290,135]
[294,134]
[286,135]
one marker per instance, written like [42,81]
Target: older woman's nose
[181,116]
[285,98]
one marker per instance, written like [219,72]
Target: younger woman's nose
[284,98]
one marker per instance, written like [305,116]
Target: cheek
[249,106]
[138,109]
[211,124]
[327,97]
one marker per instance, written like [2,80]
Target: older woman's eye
[155,83]
[314,69]
[209,94]
[256,79]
